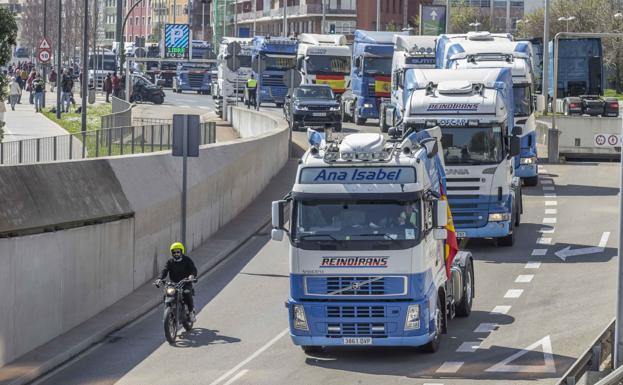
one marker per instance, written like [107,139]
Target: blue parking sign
[176,41]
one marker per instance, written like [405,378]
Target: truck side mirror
[357,64]
[279,219]
[515,146]
[440,234]
[441,213]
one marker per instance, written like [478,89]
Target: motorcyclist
[252,89]
[179,267]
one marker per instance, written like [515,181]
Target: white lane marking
[468,347]
[551,211]
[184,106]
[550,195]
[547,230]
[485,327]
[539,251]
[547,181]
[524,278]
[500,309]
[549,188]
[251,357]
[532,265]
[513,293]
[542,171]
[236,377]
[549,220]
[432,383]
[568,252]
[551,203]
[549,366]
[544,241]
[604,239]
[450,367]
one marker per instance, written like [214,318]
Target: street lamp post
[475,25]
[567,19]
[45,36]
[59,72]
[85,70]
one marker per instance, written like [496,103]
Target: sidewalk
[213,251]
[25,123]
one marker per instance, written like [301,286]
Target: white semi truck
[480,143]
[324,59]
[233,71]
[368,223]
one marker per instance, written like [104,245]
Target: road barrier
[121,115]
[156,135]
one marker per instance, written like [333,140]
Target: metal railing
[97,143]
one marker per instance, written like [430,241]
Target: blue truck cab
[193,77]
[371,70]
[271,57]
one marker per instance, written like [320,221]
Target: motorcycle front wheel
[170,325]
[187,323]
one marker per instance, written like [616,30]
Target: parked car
[313,106]
[145,91]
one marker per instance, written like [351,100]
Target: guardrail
[97,143]
[600,350]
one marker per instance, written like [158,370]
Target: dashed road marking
[549,188]
[539,251]
[485,327]
[551,203]
[544,241]
[513,293]
[547,181]
[547,230]
[450,367]
[549,220]
[549,195]
[524,278]
[236,377]
[500,309]
[468,347]
[432,383]
[551,211]
[532,265]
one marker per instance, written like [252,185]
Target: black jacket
[179,270]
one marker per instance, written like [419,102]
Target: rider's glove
[158,282]
[192,278]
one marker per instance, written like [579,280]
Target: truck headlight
[367,105]
[300,321]
[413,317]
[531,160]
[499,217]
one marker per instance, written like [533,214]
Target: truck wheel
[308,349]
[508,240]
[382,124]
[337,128]
[433,345]
[464,309]
[359,121]
[531,181]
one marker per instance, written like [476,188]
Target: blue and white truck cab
[409,52]
[474,110]
[370,75]
[271,57]
[516,55]
[366,223]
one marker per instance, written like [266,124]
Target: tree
[8,39]
[462,14]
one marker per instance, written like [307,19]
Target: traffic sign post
[176,41]
[44,55]
[433,19]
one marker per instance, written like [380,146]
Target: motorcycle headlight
[413,317]
[300,321]
[499,217]
[171,291]
[531,160]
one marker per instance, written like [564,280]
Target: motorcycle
[175,310]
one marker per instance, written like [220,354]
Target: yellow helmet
[178,246]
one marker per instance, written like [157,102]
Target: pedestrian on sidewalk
[67,84]
[52,79]
[23,76]
[116,84]
[107,87]
[39,88]
[29,88]
[14,91]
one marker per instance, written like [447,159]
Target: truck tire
[508,240]
[338,128]
[433,345]
[464,309]
[358,120]
[308,349]
[531,181]
[384,127]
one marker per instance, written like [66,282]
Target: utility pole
[324,15]
[254,17]
[405,17]
[85,69]
[119,30]
[203,20]
[59,70]
[285,18]
[545,86]
[508,16]
[378,15]
[45,36]
[224,18]
[235,23]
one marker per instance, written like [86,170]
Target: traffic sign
[607,140]
[45,45]
[44,56]
[433,19]
[176,41]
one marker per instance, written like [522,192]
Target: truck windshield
[522,96]
[242,61]
[348,223]
[472,145]
[319,64]
[279,63]
[108,63]
[377,65]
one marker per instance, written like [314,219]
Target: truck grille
[270,81]
[355,329]
[356,285]
[195,80]
[355,311]
[469,210]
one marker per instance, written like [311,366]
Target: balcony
[296,10]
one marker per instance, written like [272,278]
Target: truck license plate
[461,234]
[319,114]
[358,341]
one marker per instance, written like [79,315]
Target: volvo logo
[356,285]
[457,171]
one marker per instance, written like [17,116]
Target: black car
[145,91]
[312,106]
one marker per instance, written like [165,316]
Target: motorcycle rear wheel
[170,326]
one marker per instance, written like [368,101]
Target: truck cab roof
[376,37]
[319,39]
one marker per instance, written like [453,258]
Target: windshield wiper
[384,235]
[305,236]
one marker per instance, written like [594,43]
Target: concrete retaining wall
[577,135]
[53,281]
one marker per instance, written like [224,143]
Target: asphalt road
[533,313]
[184,103]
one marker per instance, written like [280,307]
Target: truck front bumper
[367,108]
[386,341]
[490,230]
[527,170]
